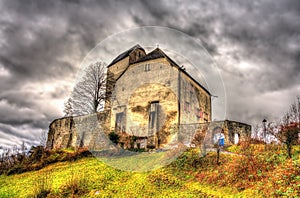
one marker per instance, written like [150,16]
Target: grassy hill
[251,172]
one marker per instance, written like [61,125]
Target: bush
[114,137]
[17,169]
[283,181]
[38,158]
[163,180]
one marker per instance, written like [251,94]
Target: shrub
[17,169]
[283,181]
[162,179]
[38,158]
[114,137]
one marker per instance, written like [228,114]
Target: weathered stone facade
[233,131]
[79,131]
[87,131]
[154,100]
[152,94]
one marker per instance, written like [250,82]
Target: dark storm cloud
[12,131]
[267,34]
[262,34]
[41,47]
[260,30]
[42,43]
[39,35]
[35,41]
[16,135]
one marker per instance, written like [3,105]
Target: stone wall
[159,84]
[119,67]
[203,133]
[92,132]
[195,103]
[79,131]
[142,84]
[181,100]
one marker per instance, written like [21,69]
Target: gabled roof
[125,54]
[158,53]
[155,54]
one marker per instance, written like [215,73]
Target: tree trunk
[218,155]
[289,150]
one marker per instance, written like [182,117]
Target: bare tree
[43,138]
[68,107]
[23,147]
[288,129]
[256,132]
[91,92]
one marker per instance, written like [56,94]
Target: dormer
[136,54]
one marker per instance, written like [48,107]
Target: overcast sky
[256,45]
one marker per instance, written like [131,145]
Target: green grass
[188,176]
[100,180]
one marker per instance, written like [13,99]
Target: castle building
[152,94]
[152,97]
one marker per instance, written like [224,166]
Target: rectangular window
[153,117]
[120,125]
[147,67]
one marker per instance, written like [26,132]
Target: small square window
[147,67]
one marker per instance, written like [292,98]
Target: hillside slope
[188,176]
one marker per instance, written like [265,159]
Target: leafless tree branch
[91,92]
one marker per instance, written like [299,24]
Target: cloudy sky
[256,45]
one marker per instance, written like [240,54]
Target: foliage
[283,181]
[90,177]
[162,179]
[114,137]
[42,185]
[251,171]
[287,131]
[75,185]
[251,168]
[98,179]
[37,158]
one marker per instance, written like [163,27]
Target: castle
[154,100]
